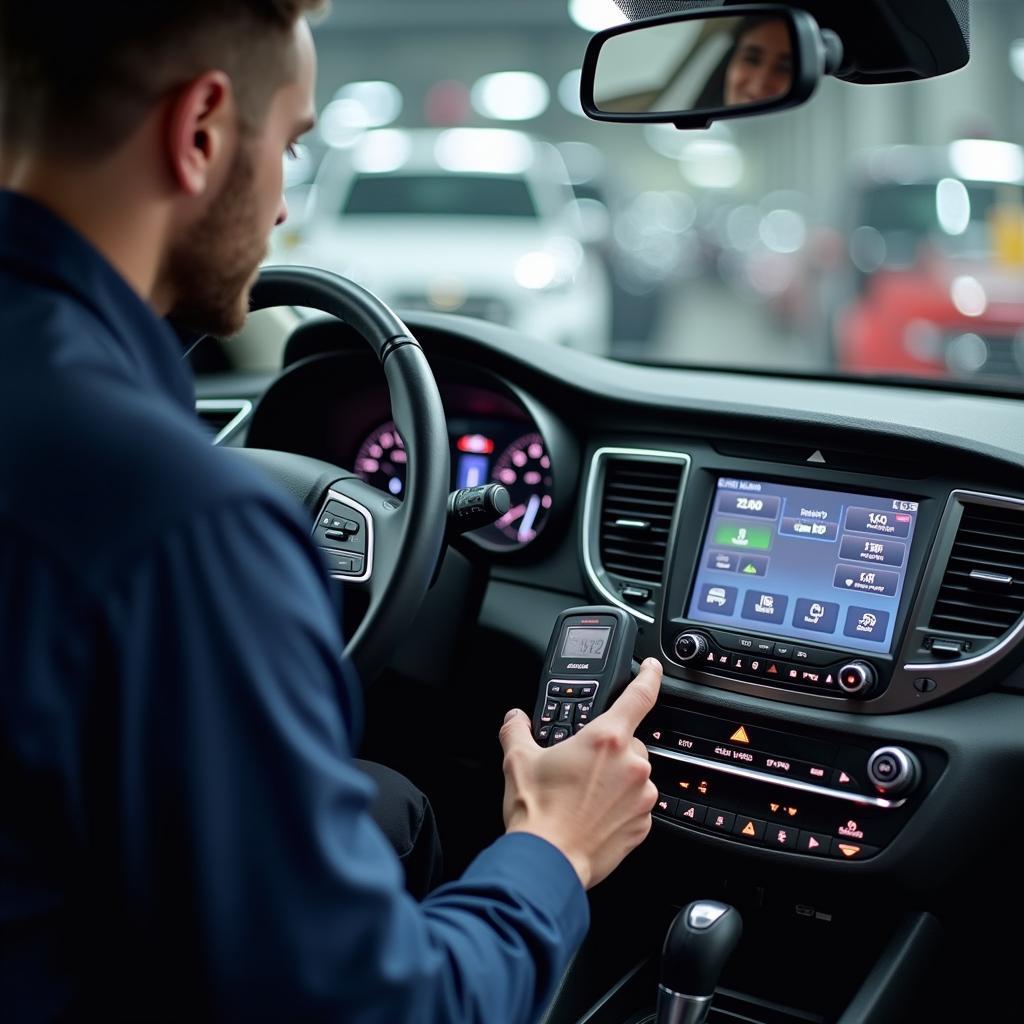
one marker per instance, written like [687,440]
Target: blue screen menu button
[761,607]
[866,624]
[717,600]
[820,616]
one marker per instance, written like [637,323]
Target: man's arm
[254,880]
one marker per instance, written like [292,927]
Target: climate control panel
[778,663]
[782,791]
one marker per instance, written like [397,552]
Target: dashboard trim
[242,407]
[638,455]
[978,663]
[860,799]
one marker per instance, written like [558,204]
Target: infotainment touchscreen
[798,562]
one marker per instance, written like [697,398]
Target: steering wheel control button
[543,733]
[720,821]
[893,771]
[749,828]
[691,647]
[857,679]
[558,734]
[815,843]
[583,710]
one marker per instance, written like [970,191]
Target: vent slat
[991,540]
[643,491]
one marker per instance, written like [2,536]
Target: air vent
[223,416]
[636,514]
[982,592]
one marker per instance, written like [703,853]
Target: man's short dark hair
[78,77]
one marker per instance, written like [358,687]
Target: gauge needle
[511,516]
[526,528]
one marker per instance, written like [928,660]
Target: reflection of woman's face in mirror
[761,66]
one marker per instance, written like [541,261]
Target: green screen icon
[743,536]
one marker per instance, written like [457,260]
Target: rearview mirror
[694,68]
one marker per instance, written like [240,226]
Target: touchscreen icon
[819,616]
[866,624]
[759,606]
[716,599]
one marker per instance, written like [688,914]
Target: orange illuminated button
[844,849]
[720,821]
[781,837]
[749,828]
[690,813]
[740,736]
[814,843]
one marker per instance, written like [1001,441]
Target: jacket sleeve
[253,880]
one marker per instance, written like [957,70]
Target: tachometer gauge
[382,460]
[524,467]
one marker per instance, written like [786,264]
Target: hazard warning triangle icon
[740,736]
[749,830]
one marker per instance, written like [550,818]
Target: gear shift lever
[699,942]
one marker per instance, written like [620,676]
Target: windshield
[877,231]
[435,195]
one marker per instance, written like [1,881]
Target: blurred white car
[480,222]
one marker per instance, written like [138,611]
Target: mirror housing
[630,53]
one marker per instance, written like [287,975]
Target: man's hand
[591,796]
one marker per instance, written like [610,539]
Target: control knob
[893,771]
[857,679]
[691,646]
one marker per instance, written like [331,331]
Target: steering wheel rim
[407,538]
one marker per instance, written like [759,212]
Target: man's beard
[211,268]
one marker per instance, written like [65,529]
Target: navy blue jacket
[183,834]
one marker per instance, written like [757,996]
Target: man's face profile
[213,263]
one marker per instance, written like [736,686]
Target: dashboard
[831,574]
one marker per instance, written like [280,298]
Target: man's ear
[200,131]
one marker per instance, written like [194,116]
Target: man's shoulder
[97,471]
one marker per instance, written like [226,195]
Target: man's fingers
[638,699]
[515,731]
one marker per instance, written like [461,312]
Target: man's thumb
[515,729]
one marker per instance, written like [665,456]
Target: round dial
[382,460]
[524,467]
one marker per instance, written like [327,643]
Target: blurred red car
[939,258]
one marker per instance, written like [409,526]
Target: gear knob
[699,942]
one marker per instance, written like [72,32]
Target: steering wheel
[403,540]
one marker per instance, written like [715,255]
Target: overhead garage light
[1017,58]
[712,163]
[953,206]
[569,92]
[511,96]
[987,160]
[483,150]
[594,15]
[381,101]
[381,152]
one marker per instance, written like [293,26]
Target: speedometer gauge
[524,467]
[382,460]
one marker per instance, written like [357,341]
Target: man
[183,833]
